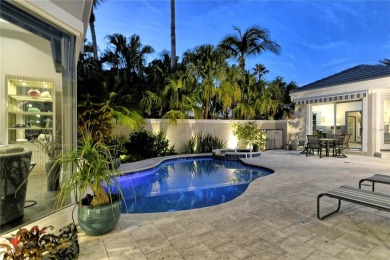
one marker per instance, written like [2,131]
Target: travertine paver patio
[274,219]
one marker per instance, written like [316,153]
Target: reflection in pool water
[186,184]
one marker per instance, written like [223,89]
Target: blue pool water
[186,184]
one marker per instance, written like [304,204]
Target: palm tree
[182,103]
[128,55]
[92,20]
[229,91]
[119,102]
[157,75]
[208,65]
[89,76]
[246,106]
[114,54]
[260,70]
[281,93]
[173,35]
[255,40]
[274,101]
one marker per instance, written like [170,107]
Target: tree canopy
[204,84]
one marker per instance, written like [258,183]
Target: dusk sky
[317,38]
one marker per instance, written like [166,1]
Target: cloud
[327,46]
[341,13]
[335,62]
[152,8]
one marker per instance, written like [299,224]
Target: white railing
[250,142]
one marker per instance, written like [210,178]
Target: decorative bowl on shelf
[45,94]
[34,93]
[33,109]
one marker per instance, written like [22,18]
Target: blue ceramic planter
[99,220]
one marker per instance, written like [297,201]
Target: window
[38,53]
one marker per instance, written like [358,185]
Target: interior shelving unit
[30,108]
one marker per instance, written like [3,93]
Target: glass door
[354,128]
[385,122]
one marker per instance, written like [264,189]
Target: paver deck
[274,219]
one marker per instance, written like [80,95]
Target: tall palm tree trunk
[242,62]
[206,110]
[173,35]
[93,34]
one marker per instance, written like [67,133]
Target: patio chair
[342,145]
[14,170]
[333,136]
[355,195]
[313,143]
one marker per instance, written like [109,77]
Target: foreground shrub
[203,144]
[145,144]
[36,243]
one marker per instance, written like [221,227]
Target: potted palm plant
[97,213]
[250,135]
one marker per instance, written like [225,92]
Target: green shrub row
[144,144]
[203,144]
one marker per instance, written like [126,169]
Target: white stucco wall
[185,129]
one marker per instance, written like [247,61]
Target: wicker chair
[14,170]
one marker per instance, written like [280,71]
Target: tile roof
[354,74]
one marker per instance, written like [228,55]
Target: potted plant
[97,213]
[248,134]
[51,145]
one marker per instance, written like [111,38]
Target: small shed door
[274,139]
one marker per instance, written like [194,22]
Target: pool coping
[149,164]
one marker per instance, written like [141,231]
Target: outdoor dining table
[327,142]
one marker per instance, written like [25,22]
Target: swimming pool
[184,184]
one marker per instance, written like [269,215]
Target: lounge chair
[379,178]
[354,195]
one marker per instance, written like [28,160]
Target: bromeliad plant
[95,167]
[36,243]
[201,143]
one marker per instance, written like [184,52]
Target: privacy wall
[180,133]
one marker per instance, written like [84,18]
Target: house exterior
[40,42]
[355,101]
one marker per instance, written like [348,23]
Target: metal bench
[379,178]
[354,195]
